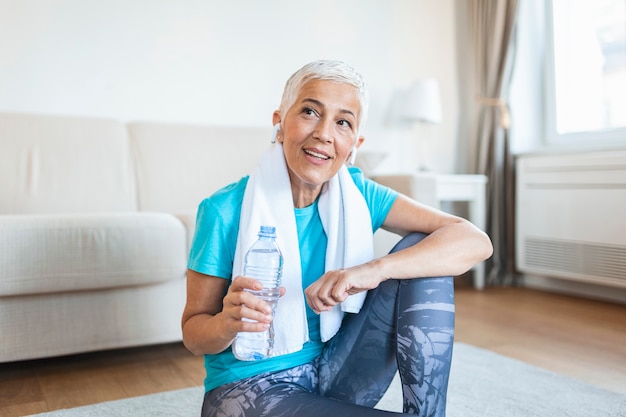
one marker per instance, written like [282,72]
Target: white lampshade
[422,102]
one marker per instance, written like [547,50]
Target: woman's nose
[324,130]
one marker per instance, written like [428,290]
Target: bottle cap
[269,231]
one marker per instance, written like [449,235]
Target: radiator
[571,216]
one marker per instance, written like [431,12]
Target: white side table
[432,189]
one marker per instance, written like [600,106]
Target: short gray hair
[335,71]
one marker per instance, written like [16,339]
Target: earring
[275,132]
[353,156]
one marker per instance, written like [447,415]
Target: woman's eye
[308,111]
[345,123]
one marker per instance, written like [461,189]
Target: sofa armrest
[188,218]
[59,253]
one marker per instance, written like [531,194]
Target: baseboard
[581,289]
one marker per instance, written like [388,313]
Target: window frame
[595,139]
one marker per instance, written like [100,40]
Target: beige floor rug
[482,384]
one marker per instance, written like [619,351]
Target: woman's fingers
[334,287]
[248,312]
[326,292]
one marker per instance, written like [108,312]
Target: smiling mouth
[317,155]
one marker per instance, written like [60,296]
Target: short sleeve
[379,198]
[217,226]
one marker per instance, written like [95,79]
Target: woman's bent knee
[408,241]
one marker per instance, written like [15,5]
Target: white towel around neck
[346,220]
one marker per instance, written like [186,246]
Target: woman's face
[318,133]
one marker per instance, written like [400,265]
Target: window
[587,94]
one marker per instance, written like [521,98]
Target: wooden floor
[581,338]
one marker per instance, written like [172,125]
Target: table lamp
[422,104]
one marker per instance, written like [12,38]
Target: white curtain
[492,25]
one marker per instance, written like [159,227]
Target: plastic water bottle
[263,262]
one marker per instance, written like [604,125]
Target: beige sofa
[96,217]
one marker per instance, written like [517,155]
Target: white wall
[224,62]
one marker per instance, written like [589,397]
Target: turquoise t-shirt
[213,250]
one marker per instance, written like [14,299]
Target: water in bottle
[263,262]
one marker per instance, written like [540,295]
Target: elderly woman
[346,322]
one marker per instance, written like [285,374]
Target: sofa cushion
[36,326]
[57,253]
[52,164]
[177,166]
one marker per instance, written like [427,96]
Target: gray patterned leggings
[404,325]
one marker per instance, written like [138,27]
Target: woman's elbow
[484,246]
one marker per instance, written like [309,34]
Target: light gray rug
[482,383]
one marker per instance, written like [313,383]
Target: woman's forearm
[452,247]
[448,251]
